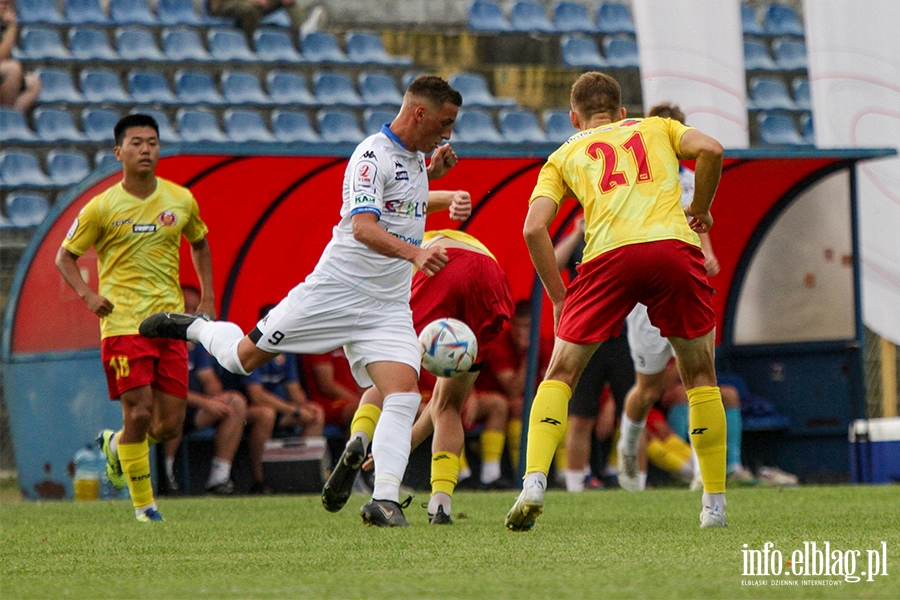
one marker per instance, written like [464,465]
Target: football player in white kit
[358,294]
[650,351]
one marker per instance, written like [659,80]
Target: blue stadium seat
[293,126]
[199,125]
[243,88]
[278,18]
[103,157]
[621,52]
[180,45]
[807,130]
[102,85]
[196,87]
[558,126]
[321,47]
[475,92]
[21,169]
[335,89]
[98,124]
[57,86]
[67,167]
[83,12]
[528,15]
[339,126]
[487,16]
[613,17]
[137,45]
[581,52]
[374,119]
[790,55]
[770,94]
[800,87]
[572,17]
[177,12]
[55,125]
[14,128]
[26,209]
[167,133]
[518,126]
[150,87]
[475,126]
[379,89]
[778,130]
[41,43]
[131,12]
[89,44]
[757,57]
[408,79]
[39,11]
[247,126]
[749,24]
[275,45]
[782,20]
[288,88]
[229,45]
[368,48]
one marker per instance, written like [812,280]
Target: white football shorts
[650,351]
[320,315]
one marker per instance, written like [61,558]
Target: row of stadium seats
[582,52]
[778,20]
[779,129]
[789,55]
[247,125]
[567,17]
[772,94]
[21,168]
[184,44]
[24,210]
[121,12]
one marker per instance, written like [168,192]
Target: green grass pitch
[608,544]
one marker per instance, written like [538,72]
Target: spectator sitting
[331,385]
[17,88]
[248,14]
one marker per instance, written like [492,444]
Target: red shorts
[131,361]
[667,276]
[472,288]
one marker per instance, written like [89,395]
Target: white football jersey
[386,179]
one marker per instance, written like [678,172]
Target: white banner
[854,70]
[692,54]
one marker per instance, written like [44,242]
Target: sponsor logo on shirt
[122,222]
[406,208]
[143,227]
[368,154]
[410,240]
[400,174]
[363,199]
[364,177]
[629,122]
[167,218]
[71,233]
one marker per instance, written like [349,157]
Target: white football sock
[631,435]
[361,435]
[391,443]
[220,338]
[170,467]
[711,500]
[219,472]
[536,478]
[439,499]
[575,480]
[490,472]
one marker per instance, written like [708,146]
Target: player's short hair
[435,89]
[667,110]
[135,120]
[594,93]
[522,309]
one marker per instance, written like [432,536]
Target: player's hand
[208,308]
[431,260]
[218,407]
[442,160]
[557,313]
[699,221]
[369,463]
[99,305]
[712,264]
[460,206]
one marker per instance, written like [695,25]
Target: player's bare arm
[459,203]
[537,237]
[67,264]
[367,231]
[442,160]
[202,259]
[708,153]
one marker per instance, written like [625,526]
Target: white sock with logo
[391,443]
[220,338]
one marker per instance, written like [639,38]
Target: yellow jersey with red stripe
[137,243]
[625,175]
[459,236]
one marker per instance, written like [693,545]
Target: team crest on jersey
[71,233]
[364,177]
[167,218]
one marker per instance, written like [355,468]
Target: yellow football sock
[560,458]
[707,432]
[492,443]
[677,446]
[364,419]
[463,461]
[660,455]
[514,441]
[547,424]
[135,459]
[151,440]
[444,473]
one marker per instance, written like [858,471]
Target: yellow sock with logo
[708,435]
[514,441]
[444,472]
[492,443]
[364,420]
[135,459]
[547,424]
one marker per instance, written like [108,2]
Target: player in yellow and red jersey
[638,248]
[136,228]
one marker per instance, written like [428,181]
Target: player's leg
[262,424]
[578,450]
[666,450]
[133,449]
[229,424]
[171,449]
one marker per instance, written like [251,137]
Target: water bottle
[87,478]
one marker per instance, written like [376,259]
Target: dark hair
[135,120]
[523,309]
[595,93]
[435,89]
[667,110]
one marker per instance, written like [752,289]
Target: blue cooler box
[875,450]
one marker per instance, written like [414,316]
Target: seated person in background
[276,385]
[17,89]
[331,385]
[248,13]
[209,405]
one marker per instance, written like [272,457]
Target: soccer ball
[449,347]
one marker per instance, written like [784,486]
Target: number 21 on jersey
[606,152]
